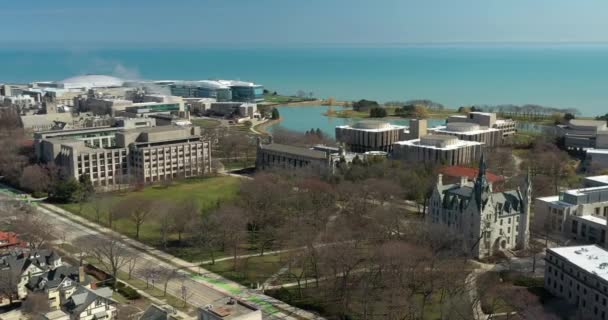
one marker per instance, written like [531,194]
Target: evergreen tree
[65,190]
[275,114]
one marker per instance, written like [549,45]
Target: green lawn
[206,123]
[270,98]
[313,299]
[238,164]
[208,192]
[350,113]
[249,271]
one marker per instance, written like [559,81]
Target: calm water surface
[303,118]
[552,75]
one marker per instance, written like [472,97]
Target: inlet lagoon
[303,118]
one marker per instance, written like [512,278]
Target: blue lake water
[303,118]
[553,75]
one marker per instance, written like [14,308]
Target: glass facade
[235,93]
[193,91]
[248,93]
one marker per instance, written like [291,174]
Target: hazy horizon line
[147,44]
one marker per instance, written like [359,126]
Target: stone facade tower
[524,226]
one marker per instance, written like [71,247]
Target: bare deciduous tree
[35,179]
[137,209]
[9,280]
[36,305]
[184,216]
[111,254]
[232,223]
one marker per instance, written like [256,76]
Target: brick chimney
[81,274]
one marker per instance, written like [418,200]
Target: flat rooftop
[223,309]
[555,201]
[592,258]
[456,145]
[594,219]
[373,126]
[598,179]
[293,150]
[444,129]
[585,191]
[597,151]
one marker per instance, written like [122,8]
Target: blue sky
[200,22]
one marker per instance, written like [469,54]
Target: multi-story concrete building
[583,134]
[486,119]
[438,149]
[579,214]
[590,136]
[579,275]
[488,221]
[280,156]
[595,181]
[237,109]
[370,135]
[166,153]
[319,159]
[144,155]
[98,137]
[41,122]
[471,132]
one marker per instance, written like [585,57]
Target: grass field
[350,113]
[249,271]
[206,191]
[270,98]
[313,300]
[206,123]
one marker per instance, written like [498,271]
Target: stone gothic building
[488,221]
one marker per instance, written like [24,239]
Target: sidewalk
[269,305]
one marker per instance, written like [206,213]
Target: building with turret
[488,221]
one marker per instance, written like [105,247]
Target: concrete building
[438,149]
[199,106]
[237,109]
[41,122]
[370,135]
[595,181]
[22,102]
[230,309]
[105,106]
[280,156]
[166,153]
[579,275]
[597,157]
[144,155]
[583,134]
[471,132]
[578,214]
[489,221]
[507,127]
[98,137]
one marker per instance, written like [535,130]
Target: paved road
[205,288]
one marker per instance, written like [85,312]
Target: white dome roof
[91,81]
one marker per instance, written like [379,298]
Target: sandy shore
[261,128]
